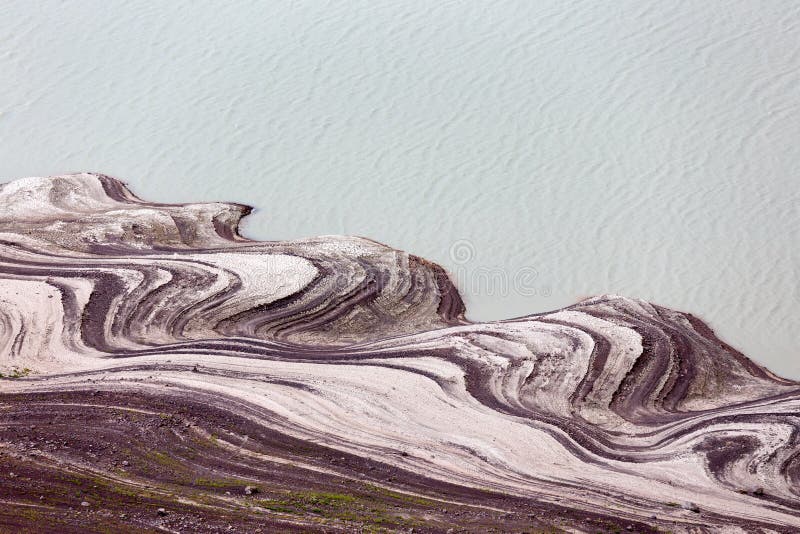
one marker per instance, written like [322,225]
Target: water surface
[542,151]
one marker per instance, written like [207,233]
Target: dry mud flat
[160,372]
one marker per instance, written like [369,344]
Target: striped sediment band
[153,357]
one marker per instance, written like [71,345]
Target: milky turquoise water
[541,151]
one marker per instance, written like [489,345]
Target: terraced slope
[157,364]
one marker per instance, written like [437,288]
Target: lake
[541,151]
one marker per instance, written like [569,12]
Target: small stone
[629,528]
[125,463]
[692,507]
[161,512]
[758,492]
[84,504]
[250,490]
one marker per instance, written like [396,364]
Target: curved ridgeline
[155,359]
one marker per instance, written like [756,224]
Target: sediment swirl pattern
[156,364]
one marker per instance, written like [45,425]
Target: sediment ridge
[162,372]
